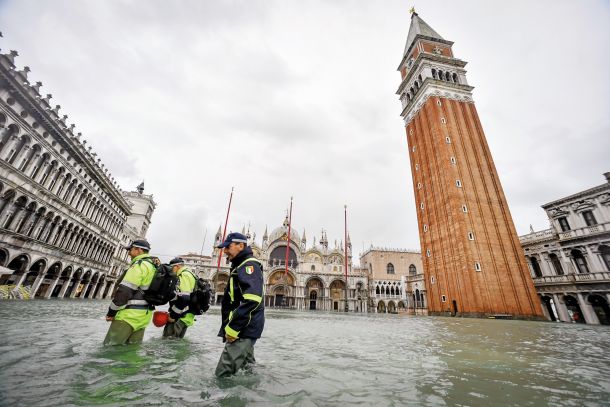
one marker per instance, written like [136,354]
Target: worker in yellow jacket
[129,313]
[179,316]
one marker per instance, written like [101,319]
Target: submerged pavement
[51,354]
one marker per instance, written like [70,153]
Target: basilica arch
[219,284]
[278,257]
[314,293]
[281,289]
[337,294]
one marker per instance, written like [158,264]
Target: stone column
[545,265]
[64,288]
[83,294]
[569,269]
[561,308]
[52,287]
[601,213]
[52,232]
[587,310]
[545,309]
[595,263]
[36,285]
[21,156]
[578,220]
[29,230]
[100,293]
[11,144]
[75,288]
[21,279]
[7,211]
[14,216]
[93,289]
[24,217]
[574,265]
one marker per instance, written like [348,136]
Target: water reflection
[51,354]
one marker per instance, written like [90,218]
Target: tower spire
[419,28]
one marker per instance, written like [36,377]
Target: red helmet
[160,318]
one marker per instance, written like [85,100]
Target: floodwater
[51,355]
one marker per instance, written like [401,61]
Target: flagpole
[203,244]
[287,253]
[345,223]
[289,228]
[224,233]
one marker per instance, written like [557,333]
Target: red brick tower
[473,261]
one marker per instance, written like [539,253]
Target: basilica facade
[313,280]
[63,218]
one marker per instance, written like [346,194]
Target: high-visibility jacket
[179,306]
[243,308]
[128,303]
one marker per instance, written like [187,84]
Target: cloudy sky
[297,98]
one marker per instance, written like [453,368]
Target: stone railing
[586,231]
[413,278]
[603,276]
[542,235]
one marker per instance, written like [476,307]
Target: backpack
[200,297]
[163,285]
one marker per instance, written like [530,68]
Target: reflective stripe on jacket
[128,303]
[179,307]
[243,308]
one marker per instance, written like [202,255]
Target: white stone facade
[395,280]
[570,262]
[63,218]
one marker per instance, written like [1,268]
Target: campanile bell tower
[473,261]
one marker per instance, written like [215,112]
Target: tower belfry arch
[473,263]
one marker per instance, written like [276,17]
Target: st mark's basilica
[315,278]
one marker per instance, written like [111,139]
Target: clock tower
[473,261]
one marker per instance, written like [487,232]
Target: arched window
[392,290]
[412,270]
[447,76]
[387,290]
[441,76]
[581,263]
[313,268]
[434,75]
[535,267]
[455,78]
[420,79]
[556,264]
[604,251]
[278,256]
[377,290]
[390,268]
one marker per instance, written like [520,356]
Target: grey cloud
[284,98]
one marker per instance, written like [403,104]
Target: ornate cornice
[432,89]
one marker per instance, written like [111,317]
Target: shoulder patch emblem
[249,269]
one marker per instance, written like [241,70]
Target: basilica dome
[282,232]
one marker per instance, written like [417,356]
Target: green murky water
[51,355]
